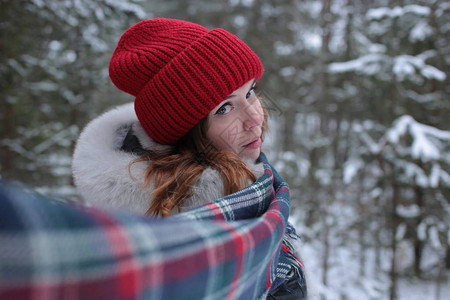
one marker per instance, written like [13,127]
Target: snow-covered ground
[423,290]
[345,282]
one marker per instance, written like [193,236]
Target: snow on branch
[368,64]
[403,66]
[74,12]
[406,65]
[386,12]
[426,140]
[64,135]
[418,151]
[128,7]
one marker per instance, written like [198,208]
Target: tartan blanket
[233,248]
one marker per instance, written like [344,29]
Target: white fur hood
[102,172]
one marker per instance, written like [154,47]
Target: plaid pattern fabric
[230,249]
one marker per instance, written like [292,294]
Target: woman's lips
[256,144]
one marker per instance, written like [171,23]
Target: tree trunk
[395,223]
[288,133]
[447,258]
[325,21]
[326,244]
[377,256]
[418,244]
[440,278]
[361,228]
[7,158]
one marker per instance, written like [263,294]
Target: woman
[196,129]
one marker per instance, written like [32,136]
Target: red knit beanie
[179,71]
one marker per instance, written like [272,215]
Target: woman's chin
[250,154]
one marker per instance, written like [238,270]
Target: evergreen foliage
[358,93]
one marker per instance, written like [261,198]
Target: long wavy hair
[174,171]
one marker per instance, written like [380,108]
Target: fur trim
[102,171]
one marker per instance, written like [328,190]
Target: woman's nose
[253,116]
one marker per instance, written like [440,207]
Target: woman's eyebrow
[252,86]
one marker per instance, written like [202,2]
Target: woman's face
[236,123]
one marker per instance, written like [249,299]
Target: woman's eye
[224,109]
[250,93]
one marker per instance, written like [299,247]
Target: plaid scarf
[234,248]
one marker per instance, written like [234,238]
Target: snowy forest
[359,100]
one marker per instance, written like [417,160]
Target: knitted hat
[179,71]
